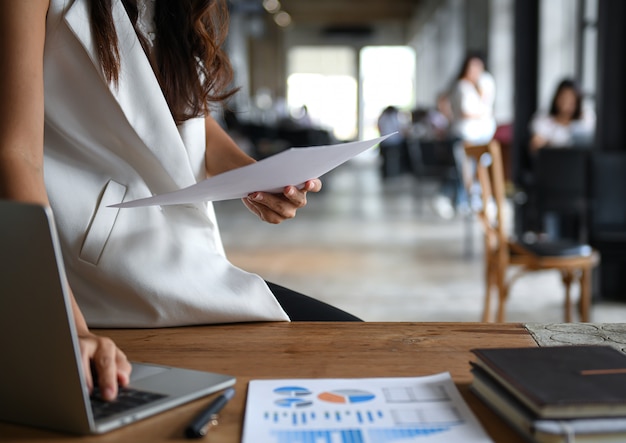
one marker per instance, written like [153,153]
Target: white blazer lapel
[138,94]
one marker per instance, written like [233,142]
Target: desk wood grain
[298,350]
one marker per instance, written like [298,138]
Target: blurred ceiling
[358,13]
[337,13]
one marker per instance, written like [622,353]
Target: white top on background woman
[471,101]
[566,124]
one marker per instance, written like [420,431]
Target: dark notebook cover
[562,381]
[542,430]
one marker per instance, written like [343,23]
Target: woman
[104,101]
[471,101]
[566,124]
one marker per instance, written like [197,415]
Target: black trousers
[300,307]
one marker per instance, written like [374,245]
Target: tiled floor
[379,251]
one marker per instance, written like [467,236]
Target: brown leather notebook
[561,381]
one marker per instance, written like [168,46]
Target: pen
[200,425]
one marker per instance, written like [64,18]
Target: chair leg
[487,310]
[501,315]
[488,291]
[584,304]
[567,278]
[502,295]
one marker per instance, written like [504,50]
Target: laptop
[41,379]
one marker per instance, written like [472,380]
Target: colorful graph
[385,410]
[292,391]
[346,396]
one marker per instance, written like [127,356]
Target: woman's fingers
[276,208]
[109,363]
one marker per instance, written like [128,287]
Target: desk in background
[298,350]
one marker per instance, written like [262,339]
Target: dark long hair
[472,55]
[568,84]
[191,66]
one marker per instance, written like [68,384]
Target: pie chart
[292,391]
[346,396]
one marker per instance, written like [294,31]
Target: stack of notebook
[556,394]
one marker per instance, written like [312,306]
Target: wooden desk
[298,350]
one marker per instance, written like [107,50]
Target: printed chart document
[291,167]
[367,410]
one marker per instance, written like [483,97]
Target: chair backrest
[608,194]
[561,178]
[487,169]
[432,158]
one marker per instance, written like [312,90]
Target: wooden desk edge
[286,350]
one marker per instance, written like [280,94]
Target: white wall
[502,57]
[557,46]
[442,31]
[237,48]
[438,39]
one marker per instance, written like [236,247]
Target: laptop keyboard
[127,398]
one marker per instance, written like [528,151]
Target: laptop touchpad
[141,371]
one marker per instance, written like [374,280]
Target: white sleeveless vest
[104,144]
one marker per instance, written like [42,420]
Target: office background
[378,247]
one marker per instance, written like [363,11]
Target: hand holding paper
[291,167]
[275,208]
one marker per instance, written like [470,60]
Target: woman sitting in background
[566,125]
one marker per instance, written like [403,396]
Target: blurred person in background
[566,124]
[471,100]
[393,150]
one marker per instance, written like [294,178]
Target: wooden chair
[574,261]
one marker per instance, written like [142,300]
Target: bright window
[323,79]
[388,76]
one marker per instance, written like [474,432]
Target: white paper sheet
[368,410]
[291,167]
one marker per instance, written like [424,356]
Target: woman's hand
[536,143]
[110,363]
[222,154]
[276,208]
